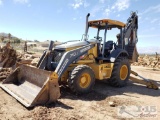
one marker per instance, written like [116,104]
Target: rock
[148,61]
[34,61]
[112,103]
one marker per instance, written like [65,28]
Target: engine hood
[71,44]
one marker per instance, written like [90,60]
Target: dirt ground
[93,106]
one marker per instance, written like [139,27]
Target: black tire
[79,73]
[117,78]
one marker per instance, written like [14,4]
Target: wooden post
[25,46]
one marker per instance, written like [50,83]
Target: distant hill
[13,38]
[2,34]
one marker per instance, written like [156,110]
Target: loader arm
[69,57]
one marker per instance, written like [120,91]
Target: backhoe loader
[78,64]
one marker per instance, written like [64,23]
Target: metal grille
[57,55]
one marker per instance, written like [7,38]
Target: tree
[36,41]
[17,40]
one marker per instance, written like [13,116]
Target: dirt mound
[4,72]
[8,56]
[148,61]
[41,112]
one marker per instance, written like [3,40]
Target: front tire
[82,79]
[120,73]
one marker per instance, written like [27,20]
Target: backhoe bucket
[32,86]
[133,54]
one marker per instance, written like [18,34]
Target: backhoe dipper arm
[69,57]
[132,24]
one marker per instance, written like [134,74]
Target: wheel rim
[85,80]
[123,72]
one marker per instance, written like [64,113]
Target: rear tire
[82,79]
[120,73]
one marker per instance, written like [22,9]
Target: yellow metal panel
[104,21]
[64,76]
[93,52]
[114,22]
[102,71]
[85,61]
[72,48]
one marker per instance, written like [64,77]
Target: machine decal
[73,54]
[69,57]
[85,49]
[64,64]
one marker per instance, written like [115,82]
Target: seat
[108,47]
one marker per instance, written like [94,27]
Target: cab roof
[102,23]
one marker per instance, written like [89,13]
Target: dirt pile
[148,61]
[10,58]
[27,59]
[4,72]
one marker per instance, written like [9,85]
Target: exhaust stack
[86,30]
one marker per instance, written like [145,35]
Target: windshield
[111,34]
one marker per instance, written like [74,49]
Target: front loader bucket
[32,86]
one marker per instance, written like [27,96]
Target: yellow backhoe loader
[78,63]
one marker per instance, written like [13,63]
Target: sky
[64,20]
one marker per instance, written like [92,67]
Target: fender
[115,54]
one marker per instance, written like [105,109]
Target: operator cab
[108,46]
